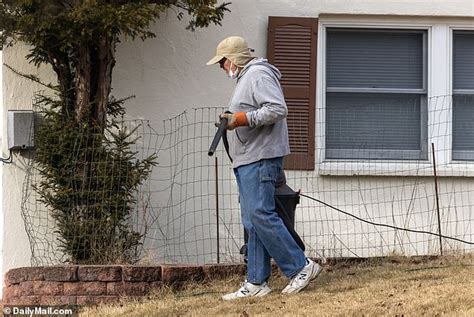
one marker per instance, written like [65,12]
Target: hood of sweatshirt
[260,62]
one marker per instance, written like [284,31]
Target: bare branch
[32,78]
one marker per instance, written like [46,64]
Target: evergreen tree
[89,172]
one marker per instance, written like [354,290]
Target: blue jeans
[268,237]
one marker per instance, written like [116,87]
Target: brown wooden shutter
[292,44]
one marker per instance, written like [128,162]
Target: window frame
[366,166]
[439,84]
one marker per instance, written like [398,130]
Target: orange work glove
[235,120]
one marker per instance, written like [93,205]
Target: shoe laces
[244,285]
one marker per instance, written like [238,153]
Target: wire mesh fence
[188,211]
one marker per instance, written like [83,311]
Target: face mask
[232,74]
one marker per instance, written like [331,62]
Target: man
[257,146]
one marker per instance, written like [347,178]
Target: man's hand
[235,120]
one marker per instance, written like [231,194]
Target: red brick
[36,273]
[95,300]
[47,288]
[128,288]
[4,292]
[15,276]
[60,273]
[23,301]
[22,274]
[58,300]
[114,288]
[22,289]
[85,288]
[141,273]
[174,274]
[100,273]
[155,286]
[8,292]
[216,271]
[39,300]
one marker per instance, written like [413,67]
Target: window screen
[376,95]
[463,95]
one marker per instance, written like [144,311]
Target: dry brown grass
[394,287]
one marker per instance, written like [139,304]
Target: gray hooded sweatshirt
[258,93]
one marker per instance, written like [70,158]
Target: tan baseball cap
[235,49]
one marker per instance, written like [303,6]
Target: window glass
[463,95]
[376,95]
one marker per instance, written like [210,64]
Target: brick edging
[94,284]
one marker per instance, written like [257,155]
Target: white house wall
[168,75]
[17,95]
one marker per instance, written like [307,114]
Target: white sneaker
[310,271]
[248,290]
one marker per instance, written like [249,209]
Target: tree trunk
[105,64]
[61,66]
[82,81]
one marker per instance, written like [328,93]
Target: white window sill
[394,168]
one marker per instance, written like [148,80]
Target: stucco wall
[168,75]
[17,95]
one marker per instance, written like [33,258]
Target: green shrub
[88,182]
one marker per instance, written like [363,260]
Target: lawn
[395,286]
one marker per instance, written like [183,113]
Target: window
[463,95]
[376,95]
[377,89]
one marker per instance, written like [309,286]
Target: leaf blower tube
[221,129]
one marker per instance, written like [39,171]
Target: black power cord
[385,225]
